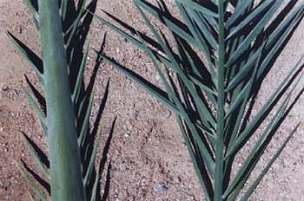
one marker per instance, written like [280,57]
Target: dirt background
[149,159]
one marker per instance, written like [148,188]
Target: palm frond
[65,104]
[213,97]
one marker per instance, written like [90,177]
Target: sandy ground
[147,150]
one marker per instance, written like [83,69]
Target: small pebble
[159,188]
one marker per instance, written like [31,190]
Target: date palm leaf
[213,95]
[63,103]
